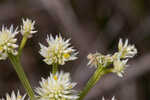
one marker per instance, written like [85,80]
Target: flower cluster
[97,58]
[57,87]
[14,97]
[27,29]
[8,42]
[118,59]
[58,51]
[8,38]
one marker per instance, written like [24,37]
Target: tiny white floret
[126,50]
[27,29]
[119,67]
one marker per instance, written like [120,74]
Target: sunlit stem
[55,68]
[21,74]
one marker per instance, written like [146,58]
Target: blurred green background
[93,25]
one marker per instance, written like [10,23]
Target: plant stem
[93,80]
[21,74]
[55,68]
[23,42]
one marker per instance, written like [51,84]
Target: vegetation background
[93,25]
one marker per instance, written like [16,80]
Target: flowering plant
[58,86]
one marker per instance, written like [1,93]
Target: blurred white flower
[58,51]
[57,87]
[113,98]
[14,97]
[119,67]
[99,59]
[8,42]
[93,59]
[127,51]
[27,29]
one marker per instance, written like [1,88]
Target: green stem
[21,74]
[23,42]
[55,68]
[93,80]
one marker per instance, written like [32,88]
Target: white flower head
[119,67]
[113,98]
[14,97]
[8,42]
[127,51]
[27,29]
[58,51]
[99,59]
[57,87]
